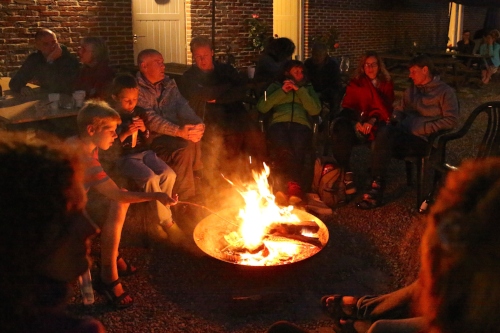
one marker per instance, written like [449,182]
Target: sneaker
[350,187]
[295,190]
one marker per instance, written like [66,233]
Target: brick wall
[230,24]
[378,25]
[70,20]
[474,18]
[363,24]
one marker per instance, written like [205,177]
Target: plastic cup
[79,97]
[251,71]
[54,101]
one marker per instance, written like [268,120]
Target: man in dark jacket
[427,107]
[51,67]
[216,92]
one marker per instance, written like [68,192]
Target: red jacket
[362,96]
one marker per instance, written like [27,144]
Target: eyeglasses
[372,65]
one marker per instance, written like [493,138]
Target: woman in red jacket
[367,105]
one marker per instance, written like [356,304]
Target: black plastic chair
[489,145]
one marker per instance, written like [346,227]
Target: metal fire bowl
[209,234]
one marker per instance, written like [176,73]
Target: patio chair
[489,145]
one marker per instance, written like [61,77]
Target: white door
[287,22]
[160,25]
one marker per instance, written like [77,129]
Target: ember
[261,233]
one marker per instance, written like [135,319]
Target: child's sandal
[107,290]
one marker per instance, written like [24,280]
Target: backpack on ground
[328,181]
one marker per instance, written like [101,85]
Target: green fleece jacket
[295,106]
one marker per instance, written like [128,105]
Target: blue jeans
[153,175]
[392,312]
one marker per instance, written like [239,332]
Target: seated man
[465,45]
[216,92]
[51,67]
[175,128]
[324,74]
[428,106]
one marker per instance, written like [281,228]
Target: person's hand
[131,129]
[289,85]
[196,133]
[364,128]
[26,92]
[183,131]
[139,123]
[56,53]
[166,200]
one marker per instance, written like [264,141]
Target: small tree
[257,32]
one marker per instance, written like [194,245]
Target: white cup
[251,71]
[79,97]
[54,101]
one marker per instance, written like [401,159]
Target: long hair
[382,74]
[461,252]
[35,177]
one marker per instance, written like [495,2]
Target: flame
[259,212]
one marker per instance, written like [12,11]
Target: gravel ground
[368,252]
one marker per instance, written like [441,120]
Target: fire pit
[261,233]
[284,242]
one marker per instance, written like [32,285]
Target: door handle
[136,36]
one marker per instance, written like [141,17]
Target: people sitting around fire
[97,123]
[491,50]
[366,107]
[175,128]
[44,235]
[136,161]
[96,75]
[457,289]
[324,73]
[428,106]
[52,67]
[216,93]
[289,103]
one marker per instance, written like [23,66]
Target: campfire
[261,233]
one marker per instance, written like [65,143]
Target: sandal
[107,290]
[372,198]
[130,270]
[339,311]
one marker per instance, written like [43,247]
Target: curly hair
[35,178]
[461,253]
[382,74]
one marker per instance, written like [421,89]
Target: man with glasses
[428,106]
[51,67]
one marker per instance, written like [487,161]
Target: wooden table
[29,112]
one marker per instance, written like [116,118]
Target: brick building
[381,25]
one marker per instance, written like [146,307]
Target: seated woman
[292,101]
[95,76]
[367,105]
[491,49]
[44,236]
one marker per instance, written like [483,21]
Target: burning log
[300,239]
[293,228]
